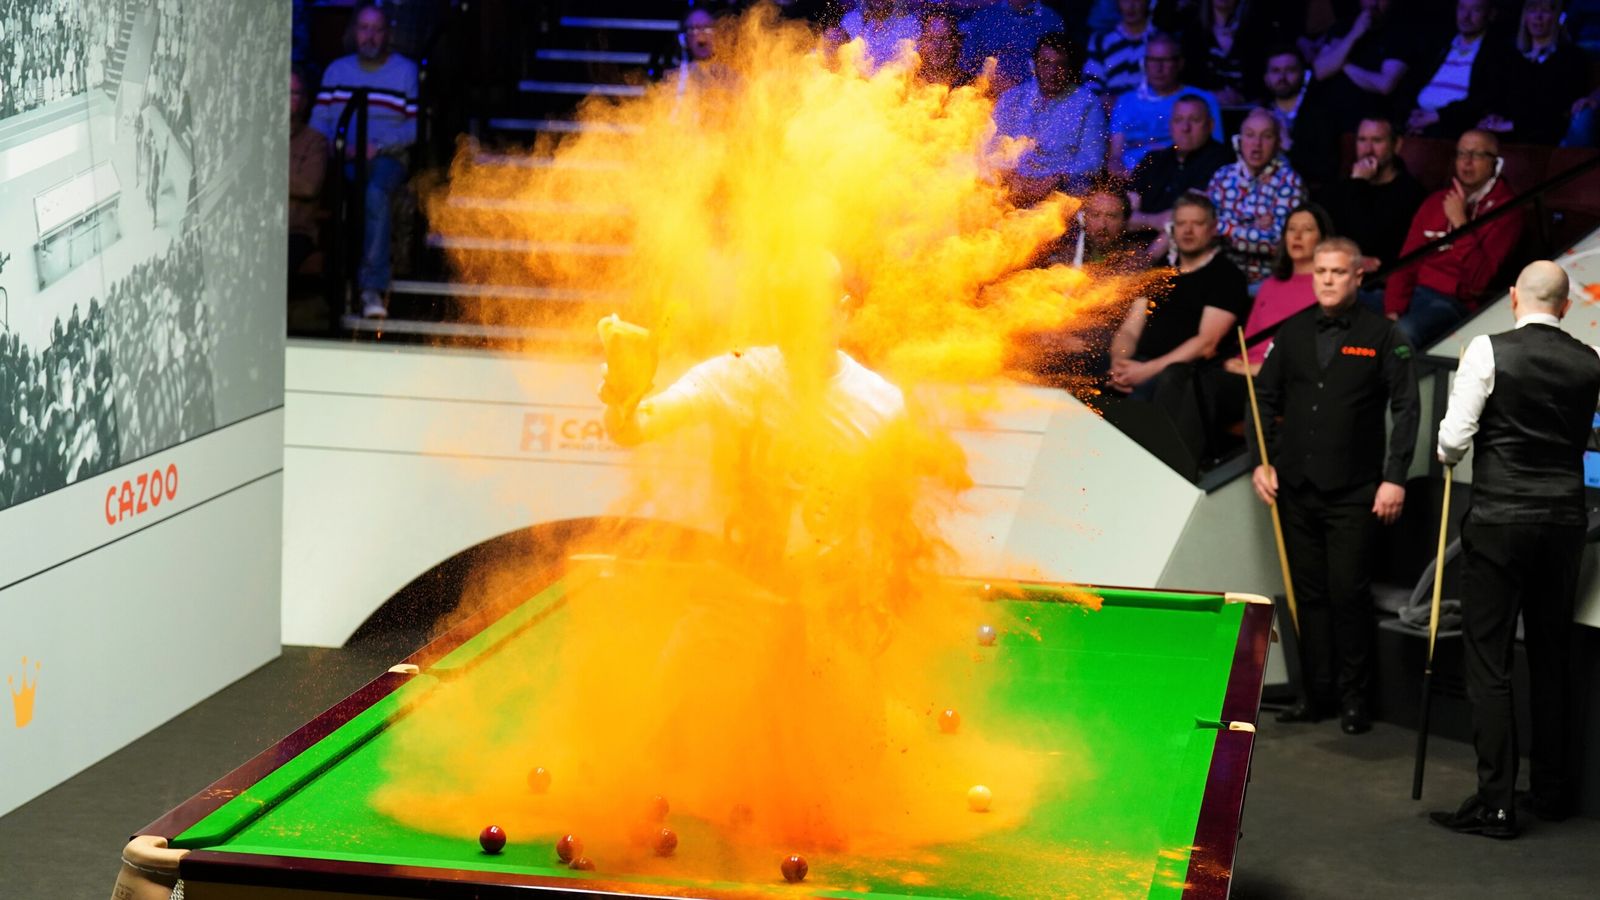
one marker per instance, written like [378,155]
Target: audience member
[939,49]
[308,162]
[876,24]
[1116,55]
[1361,65]
[1007,30]
[1098,241]
[1165,174]
[1289,289]
[1255,195]
[1536,93]
[1322,395]
[1139,118]
[1374,205]
[391,84]
[1062,118]
[1225,40]
[1469,71]
[1284,74]
[1430,296]
[1194,321]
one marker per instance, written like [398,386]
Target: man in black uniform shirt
[1524,401]
[1332,370]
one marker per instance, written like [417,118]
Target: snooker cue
[1277,524]
[1433,634]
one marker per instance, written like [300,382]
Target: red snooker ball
[949,721]
[658,808]
[492,839]
[582,864]
[794,869]
[539,780]
[570,847]
[666,842]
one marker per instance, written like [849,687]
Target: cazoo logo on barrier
[142,493]
[544,432]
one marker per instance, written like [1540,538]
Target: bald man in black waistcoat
[1524,401]
[1332,372]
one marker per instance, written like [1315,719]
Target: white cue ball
[978,798]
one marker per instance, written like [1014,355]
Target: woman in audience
[1537,97]
[1289,289]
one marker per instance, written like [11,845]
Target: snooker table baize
[1110,731]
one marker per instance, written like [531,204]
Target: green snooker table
[1162,686]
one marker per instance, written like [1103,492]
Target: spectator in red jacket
[1428,297]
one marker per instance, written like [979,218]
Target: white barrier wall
[399,458]
[142,189]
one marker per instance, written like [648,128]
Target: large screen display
[141,230]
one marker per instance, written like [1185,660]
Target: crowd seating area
[1286,86]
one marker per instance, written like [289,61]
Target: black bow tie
[1333,323]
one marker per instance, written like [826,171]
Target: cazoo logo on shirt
[546,432]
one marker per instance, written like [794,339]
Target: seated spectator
[1139,119]
[939,48]
[1166,174]
[1194,321]
[308,163]
[1097,241]
[1116,55]
[1289,289]
[1007,30]
[1548,77]
[1255,195]
[1374,205]
[1464,75]
[1359,68]
[1225,40]
[1062,117]
[1285,76]
[1431,296]
[876,24]
[391,84]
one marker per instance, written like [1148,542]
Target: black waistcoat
[1528,453]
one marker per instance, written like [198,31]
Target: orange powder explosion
[799,696]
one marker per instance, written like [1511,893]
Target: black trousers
[1330,538]
[1531,568]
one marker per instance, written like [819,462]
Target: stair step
[500,291]
[581,89]
[562,126]
[619,24]
[613,57]
[519,245]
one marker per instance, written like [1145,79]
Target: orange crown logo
[22,700]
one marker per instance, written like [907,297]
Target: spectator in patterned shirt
[1007,30]
[1139,119]
[1062,117]
[1116,56]
[1467,75]
[1255,195]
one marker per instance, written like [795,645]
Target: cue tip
[1232,597]
[405,669]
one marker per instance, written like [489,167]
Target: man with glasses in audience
[1139,119]
[1431,296]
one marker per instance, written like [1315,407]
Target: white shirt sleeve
[1473,384]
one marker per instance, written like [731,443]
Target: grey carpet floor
[1327,816]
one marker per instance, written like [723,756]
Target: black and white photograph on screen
[136,301]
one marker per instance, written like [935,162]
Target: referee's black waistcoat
[1332,434]
[1527,463]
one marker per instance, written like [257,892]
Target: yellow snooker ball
[978,798]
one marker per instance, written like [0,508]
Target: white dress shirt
[1473,385]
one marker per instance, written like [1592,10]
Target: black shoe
[1475,818]
[1354,719]
[1303,711]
